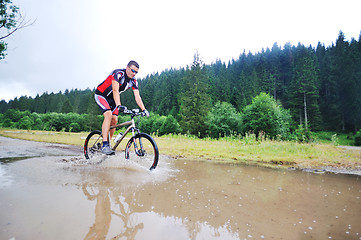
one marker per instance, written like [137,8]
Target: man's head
[132,69]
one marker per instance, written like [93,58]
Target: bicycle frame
[131,127]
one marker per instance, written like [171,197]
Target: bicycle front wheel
[93,144]
[143,150]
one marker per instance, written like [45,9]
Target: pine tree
[353,88]
[304,89]
[194,101]
[343,65]
[67,107]
[274,70]
[92,119]
[39,104]
[341,75]
[220,87]
[286,73]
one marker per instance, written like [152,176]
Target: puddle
[57,197]
[13,159]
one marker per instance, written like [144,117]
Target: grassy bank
[246,151]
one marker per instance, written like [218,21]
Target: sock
[105,143]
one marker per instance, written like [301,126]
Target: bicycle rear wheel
[143,150]
[93,144]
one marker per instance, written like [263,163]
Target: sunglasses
[133,71]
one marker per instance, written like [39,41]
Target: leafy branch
[21,22]
[11,21]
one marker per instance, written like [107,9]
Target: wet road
[55,194]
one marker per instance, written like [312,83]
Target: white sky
[77,43]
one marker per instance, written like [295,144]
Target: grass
[265,153]
[46,136]
[338,138]
[247,151]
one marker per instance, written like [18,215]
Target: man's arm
[116,96]
[138,99]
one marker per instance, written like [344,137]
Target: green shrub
[358,138]
[335,140]
[267,116]
[157,124]
[73,122]
[222,121]
[170,125]
[26,123]
[74,127]
[302,135]
[146,124]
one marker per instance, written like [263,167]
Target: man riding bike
[107,96]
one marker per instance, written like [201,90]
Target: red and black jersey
[105,88]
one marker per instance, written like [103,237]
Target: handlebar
[134,112]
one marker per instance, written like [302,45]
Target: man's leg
[106,124]
[114,121]
[105,131]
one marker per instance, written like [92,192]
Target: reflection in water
[104,213]
[114,186]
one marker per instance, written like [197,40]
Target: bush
[222,121]
[49,121]
[6,123]
[302,135]
[13,115]
[73,122]
[335,140]
[170,125]
[160,125]
[26,123]
[157,124]
[74,127]
[358,138]
[146,124]
[37,122]
[267,116]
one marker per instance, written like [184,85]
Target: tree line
[319,88]
[77,101]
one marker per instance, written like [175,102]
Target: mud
[56,194]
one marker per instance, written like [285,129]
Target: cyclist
[107,96]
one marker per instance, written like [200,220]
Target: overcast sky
[77,43]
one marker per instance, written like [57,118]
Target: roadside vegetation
[264,118]
[319,154]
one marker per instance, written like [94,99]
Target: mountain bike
[140,148]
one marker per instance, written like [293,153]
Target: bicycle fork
[138,151]
[135,132]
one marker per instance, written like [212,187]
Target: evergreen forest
[313,88]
